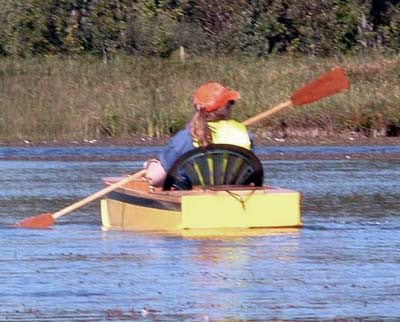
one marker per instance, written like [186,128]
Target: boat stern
[242,209]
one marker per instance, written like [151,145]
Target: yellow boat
[221,189]
[136,206]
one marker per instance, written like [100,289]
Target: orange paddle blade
[40,221]
[328,84]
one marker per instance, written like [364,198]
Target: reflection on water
[344,263]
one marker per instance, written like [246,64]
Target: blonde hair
[199,128]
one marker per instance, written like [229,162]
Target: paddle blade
[328,84]
[41,221]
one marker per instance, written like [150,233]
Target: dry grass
[73,99]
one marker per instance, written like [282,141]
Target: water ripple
[343,265]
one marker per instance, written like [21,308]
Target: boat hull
[135,207]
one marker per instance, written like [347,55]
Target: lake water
[344,263]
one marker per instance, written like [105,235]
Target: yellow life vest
[229,132]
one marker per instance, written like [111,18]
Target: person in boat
[210,123]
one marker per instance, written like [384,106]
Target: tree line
[159,27]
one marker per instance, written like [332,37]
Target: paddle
[326,85]
[45,220]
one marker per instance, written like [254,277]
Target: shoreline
[263,157]
[142,141]
[347,139]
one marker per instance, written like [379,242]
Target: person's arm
[251,137]
[156,170]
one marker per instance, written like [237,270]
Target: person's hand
[155,172]
[147,162]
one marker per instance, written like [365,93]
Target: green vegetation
[46,98]
[159,27]
[74,69]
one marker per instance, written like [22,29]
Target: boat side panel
[123,216]
[241,211]
[147,201]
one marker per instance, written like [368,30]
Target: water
[344,263]
[14,153]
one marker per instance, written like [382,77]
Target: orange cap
[212,96]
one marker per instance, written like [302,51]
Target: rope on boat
[240,198]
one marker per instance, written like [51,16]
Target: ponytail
[199,128]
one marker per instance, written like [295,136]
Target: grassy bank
[74,99]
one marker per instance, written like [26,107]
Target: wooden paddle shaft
[267,113]
[326,85]
[98,194]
